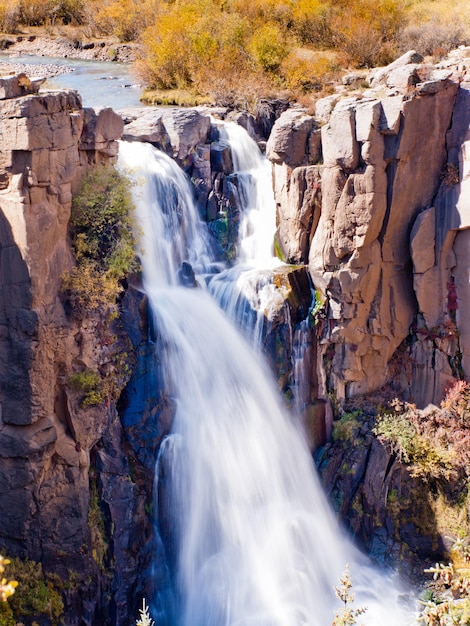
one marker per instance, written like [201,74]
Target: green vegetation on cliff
[103,241]
[102,235]
[35,596]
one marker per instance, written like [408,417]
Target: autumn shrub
[268,47]
[305,73]
[124,19]
[364,31]
[446,600]
[311,23]
[34,12]
[7,587]
[165,64]
[434,38]
[434,444]
[9,16]
[103,241]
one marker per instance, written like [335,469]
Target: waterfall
[251,539]
[246,291]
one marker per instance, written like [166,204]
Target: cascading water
[252,541]
[245,291]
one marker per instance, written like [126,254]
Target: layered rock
[381,162]
[52,450]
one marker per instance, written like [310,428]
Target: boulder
[186,129]
[339,144]
[19,85]
[299,201]
[288,142]
[381,75]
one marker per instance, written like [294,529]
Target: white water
[254,539]
[246,291]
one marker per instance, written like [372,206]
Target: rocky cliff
[371,194]
[59,462]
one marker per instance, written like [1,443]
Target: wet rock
[221,157]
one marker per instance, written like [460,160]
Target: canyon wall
[60,463]
[372,194]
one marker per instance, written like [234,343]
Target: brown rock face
[370,219]
[47,441]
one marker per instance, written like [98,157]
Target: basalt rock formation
[59,462]
[371,194]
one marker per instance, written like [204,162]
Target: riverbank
[61,47]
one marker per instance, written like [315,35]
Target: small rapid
[253,541]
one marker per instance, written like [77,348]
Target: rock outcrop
[374,208]
[59,462]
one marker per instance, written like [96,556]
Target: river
[100,83]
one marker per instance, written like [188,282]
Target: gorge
[362,212]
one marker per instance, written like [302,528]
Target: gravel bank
[33,71]
[60,47]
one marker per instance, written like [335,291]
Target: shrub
[125,19]
[145,619]
[347,426]
[435,444]
[103,241]
[165,65]
[312,23]
[90,384]
[436,37]
[9,16]
[364,31]
[347,614]
[269,47]
[35,595]
[7,587]
[304,73]
[447,598]
[40,12]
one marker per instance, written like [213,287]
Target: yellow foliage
[9,15]
[125,19]
[7,587]
[362,29]
[269,47]
[304,73]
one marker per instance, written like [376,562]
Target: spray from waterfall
[252,540]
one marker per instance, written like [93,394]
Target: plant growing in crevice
[97,525]
[144,619]
[36,594]
[103,241]
[90,384]
[434,444]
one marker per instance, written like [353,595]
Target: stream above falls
[100,83]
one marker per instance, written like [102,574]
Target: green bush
[346,428]
[6,614]
[90,384]
[35,595]
[422,442]
[103,241]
